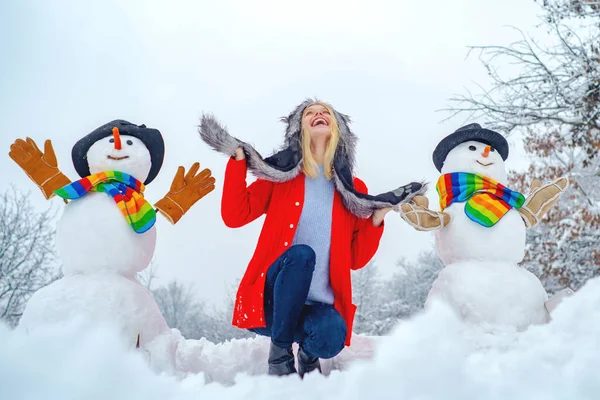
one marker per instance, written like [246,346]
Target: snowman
[106,233]
[480,232]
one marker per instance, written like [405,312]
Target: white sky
[66,67]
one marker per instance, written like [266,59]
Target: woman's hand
[239,154]
[379,215]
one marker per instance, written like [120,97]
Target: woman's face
[316,121]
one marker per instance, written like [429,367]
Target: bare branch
[27,259]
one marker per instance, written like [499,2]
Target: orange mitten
[185,191]
[41,168]
[422,218]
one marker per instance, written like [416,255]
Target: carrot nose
[486,151]
[117,138]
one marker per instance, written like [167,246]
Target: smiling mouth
[319,121]
[116,158]
[485,165]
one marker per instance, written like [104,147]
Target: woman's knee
[326,335]
[301,253]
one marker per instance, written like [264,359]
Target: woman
[320,224]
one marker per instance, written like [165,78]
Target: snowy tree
[382,301]
[550,94]
[177,304]
[406,291]
[367,296]
[564,250]
[224,329]
[27,257]
[555,89]
[196,319]
[147,277]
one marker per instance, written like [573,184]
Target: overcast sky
[67,67]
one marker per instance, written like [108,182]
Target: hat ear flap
[294,123]
[294,128]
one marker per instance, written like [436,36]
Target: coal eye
[492,149]
[111,140]
[129,142]
[472,148]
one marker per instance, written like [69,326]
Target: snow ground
[432,356]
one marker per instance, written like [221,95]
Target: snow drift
[432,356]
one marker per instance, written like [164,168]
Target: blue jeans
[318,328]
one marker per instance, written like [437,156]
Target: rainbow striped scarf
[487,200]
[125,190]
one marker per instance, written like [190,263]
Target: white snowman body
[97,299]
[92,234]
[481,278]
[101,254]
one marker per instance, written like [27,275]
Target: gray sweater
[314,230]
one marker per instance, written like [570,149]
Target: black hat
[151,138]
[466,133]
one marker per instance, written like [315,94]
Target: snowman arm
[422,218]
[41,168]
[185,191]
[541,199]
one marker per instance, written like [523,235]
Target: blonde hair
[309,165]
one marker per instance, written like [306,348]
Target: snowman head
[475,150]
[120,146]
[476,158]
[120,153]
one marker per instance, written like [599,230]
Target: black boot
[307,363]
[281,361]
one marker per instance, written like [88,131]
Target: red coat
[354,241]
